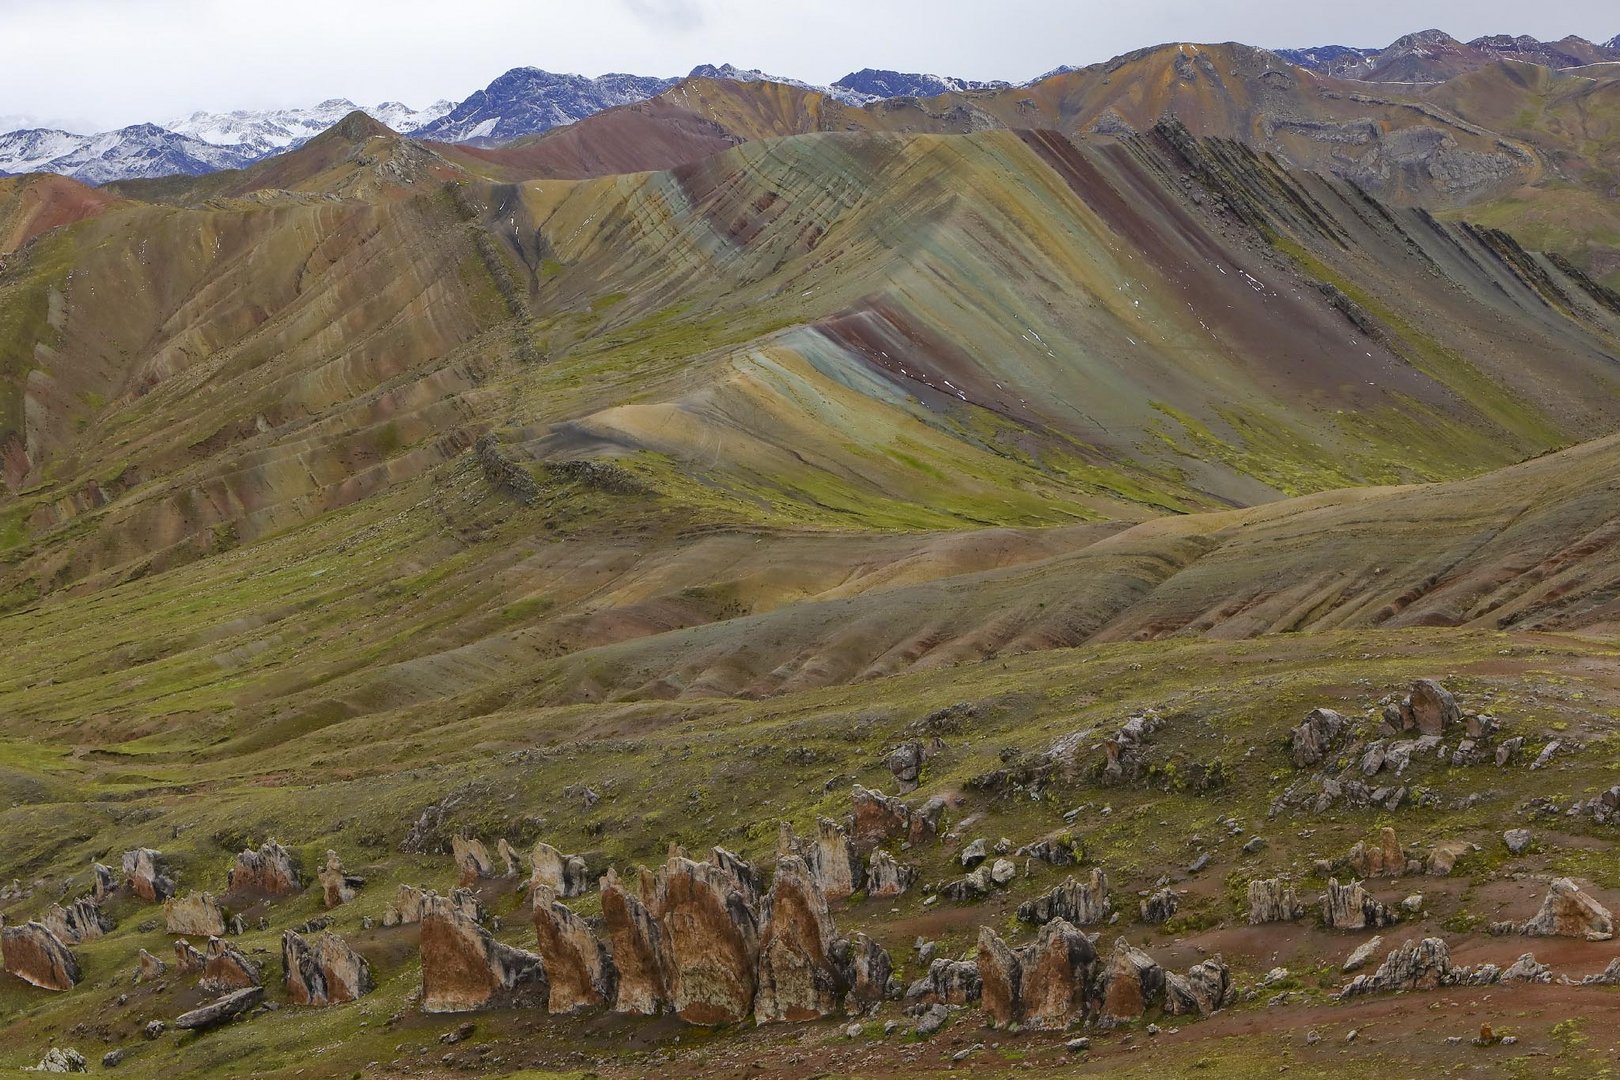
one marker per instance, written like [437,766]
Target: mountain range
[528,101]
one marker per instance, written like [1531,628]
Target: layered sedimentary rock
[1081,903]
[1273,900]
[638,948]
[82,920]
[799,977]
[147,875]
[464,968]
[886,877]
[337,886]
[472,859]
[37,956]
[1351,907]
[196,915]
[578,967]
[1040,985]
[565,875]
[225,968]
[322,971]
[269,871]
[712,938]
[1568,911]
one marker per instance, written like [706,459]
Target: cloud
[680,15]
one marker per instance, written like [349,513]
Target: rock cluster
[566,875]
[1124,753]
[947,982]
[410,901]
[830,856]
[1351,907]
[79,921]
[267,872]
[37,956]
[1385,858]
[798,972]
[325,971]
[905,762]
[196,915]
[337,887]
[1080,903]
[464,968]
[877,818]
[187,959]
[1316,736]
[1273,900]
[147,875]
[1057,851]
[1420,965]
[1040,985]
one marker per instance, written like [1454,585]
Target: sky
[97,64]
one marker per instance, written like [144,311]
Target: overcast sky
[95,64]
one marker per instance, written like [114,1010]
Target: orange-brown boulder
[712,938]
[37,956]
[225,968]
[578,967]
[798,976]
[322,971]
[196,915]
[79,921]
[464,968]
[267,872]
[1039,985]
[147,875]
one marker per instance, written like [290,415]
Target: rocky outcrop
[410,902]
[638,948]
[472,859]
[220,1011]
[1609,976]
[267,872]
[187,959]
[79,921]
[1568,911]
[1316,736]
[1061,850]
[1206,988]
[565,875]
[1385,858]
[1527,969]
[1273,900]
[1351,907]
[508,857]
[1132,983]
[578,967]
[799,977]
[712,937]
[886,877]
[148,967]
[948,982]
[1429,708]
[1161,907]
[337,887]
[322,971]
[37,956]
[1039,985]
[866,971]
[905,762]
[103,882]
[464,968]
[61,1059]
[147,875]
[196,915]
[1443,856]
[1081,903]
[1422,965]
[225,968]
[1125,753]
[830,857]
[878,818]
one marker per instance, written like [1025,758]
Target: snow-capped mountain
[264,132]
[526,101]
[874,84]
[138,151]
[749,75]
[1434,56]
[1330,59]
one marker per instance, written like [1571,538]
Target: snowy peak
[528,100]
[136,152]
[264,132]
[1433,56]
[875,83]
